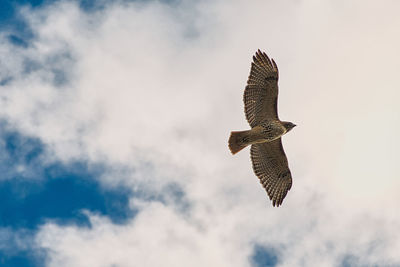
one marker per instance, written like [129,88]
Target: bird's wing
[271,167]
[261,93]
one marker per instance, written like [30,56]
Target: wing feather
[271,166]
[261,93]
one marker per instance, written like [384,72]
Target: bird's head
[288,125]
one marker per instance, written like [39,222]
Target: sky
[115,117]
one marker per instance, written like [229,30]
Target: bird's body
[268,158]
[268,130]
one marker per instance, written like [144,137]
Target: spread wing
[261,93]
[271,167]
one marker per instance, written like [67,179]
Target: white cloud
[157,89]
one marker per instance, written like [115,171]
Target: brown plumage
[260,105]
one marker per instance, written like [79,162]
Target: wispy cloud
[152,91]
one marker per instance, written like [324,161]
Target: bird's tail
[238,141]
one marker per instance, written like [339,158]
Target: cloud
[153,91]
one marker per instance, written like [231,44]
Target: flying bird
[260,105]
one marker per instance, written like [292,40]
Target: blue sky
[49,192]
[60,193]
[115,116]
[44,192]
[33,192]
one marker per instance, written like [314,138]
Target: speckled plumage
[260,105]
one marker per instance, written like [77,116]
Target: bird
[268,157]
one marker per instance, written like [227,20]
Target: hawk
[260,105]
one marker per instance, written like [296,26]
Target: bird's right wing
[261,93]
[271,167]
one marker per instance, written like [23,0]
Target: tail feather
[238,141]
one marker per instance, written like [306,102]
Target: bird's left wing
[271,167]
